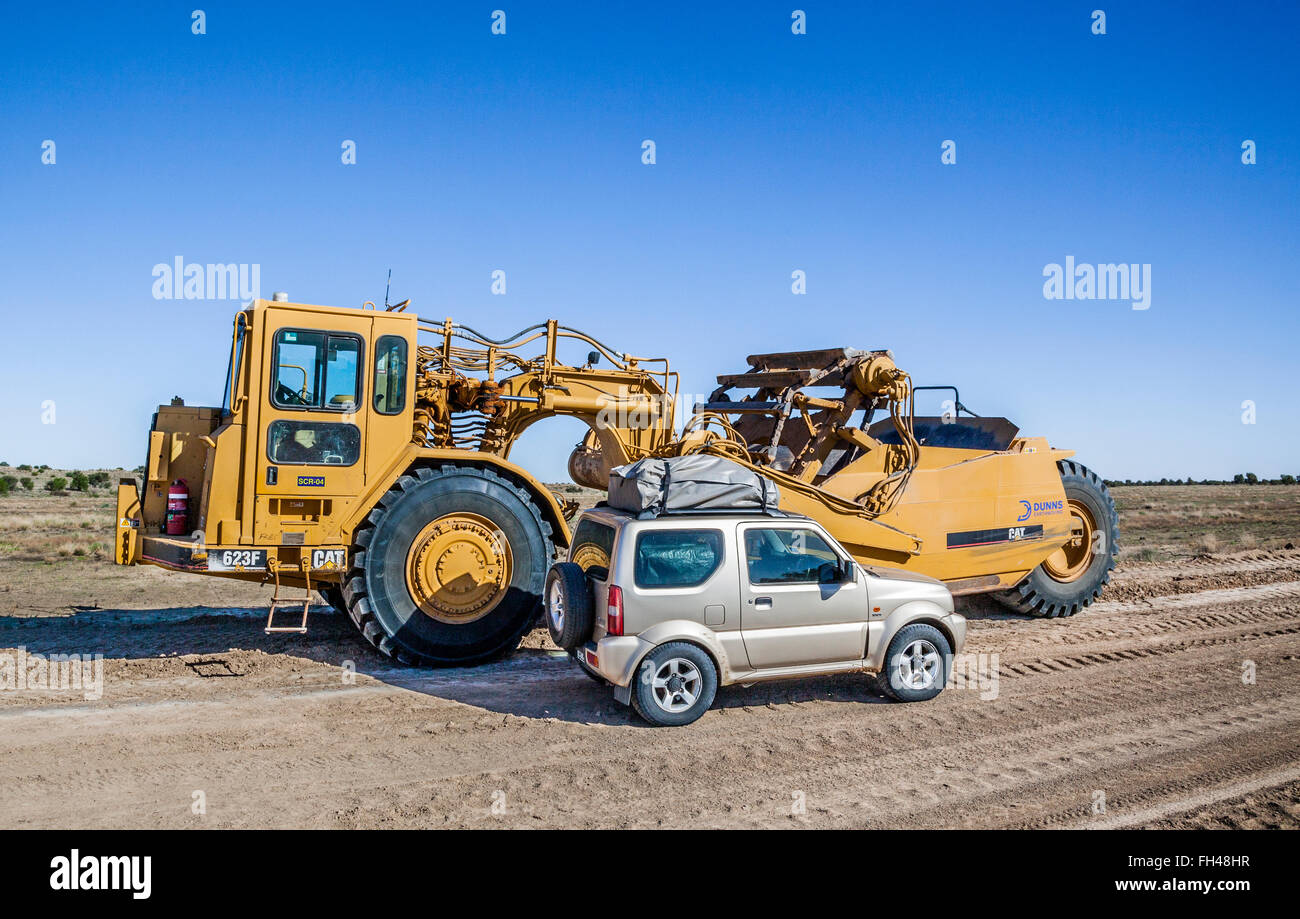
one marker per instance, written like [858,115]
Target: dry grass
[41,531]
[42,526]
[1167,522]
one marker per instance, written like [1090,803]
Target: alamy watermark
[183,280]
[978,672]
[636,411]
[75,871]
[1098,282]
[23,671]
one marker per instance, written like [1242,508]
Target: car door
[795,608]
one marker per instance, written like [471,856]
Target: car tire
[917,664]
[568,605]
[674,684]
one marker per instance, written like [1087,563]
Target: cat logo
[1014,533]
[327,559]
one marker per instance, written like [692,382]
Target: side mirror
[841,573]
[593,358]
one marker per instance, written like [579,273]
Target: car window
[786,555]
[676,558]
[593,542]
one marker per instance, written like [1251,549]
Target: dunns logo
[103,872]
[1039,509]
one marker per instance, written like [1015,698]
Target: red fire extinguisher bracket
[178,508]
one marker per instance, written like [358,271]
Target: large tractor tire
[1073,576]
[448,568]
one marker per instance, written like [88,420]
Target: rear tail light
[614,611]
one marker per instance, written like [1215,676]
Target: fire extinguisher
[178,500]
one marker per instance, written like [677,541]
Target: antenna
[388,287]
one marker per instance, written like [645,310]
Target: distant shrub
[4,487]
[27,483]
[58,483]
[1288,480]
[79,482]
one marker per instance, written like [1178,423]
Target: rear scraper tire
[1040,594]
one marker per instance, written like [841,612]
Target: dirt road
[1133,713]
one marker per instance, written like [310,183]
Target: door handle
[762,603]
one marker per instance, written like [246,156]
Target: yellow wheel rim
[458,568]
[589,555]
[1069,562]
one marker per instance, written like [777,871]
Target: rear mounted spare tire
[569,608]
[448,568]
[1073,576]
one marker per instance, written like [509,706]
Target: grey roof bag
[692,483]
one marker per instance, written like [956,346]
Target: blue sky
[775,152]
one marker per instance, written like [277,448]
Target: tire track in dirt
[1284,776]
[761,754]
[923,771]
[1233,567]
[1275,591]
[1140,698]
[1260,808]
[1195,575]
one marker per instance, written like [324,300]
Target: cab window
[676,558]
[787,555]
[313,443]
[317,370]
[390,374]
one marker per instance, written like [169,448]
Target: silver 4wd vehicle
[668,609]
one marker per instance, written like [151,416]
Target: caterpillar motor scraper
[365,454]
[962,498]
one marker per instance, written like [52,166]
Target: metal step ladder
[279,602]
